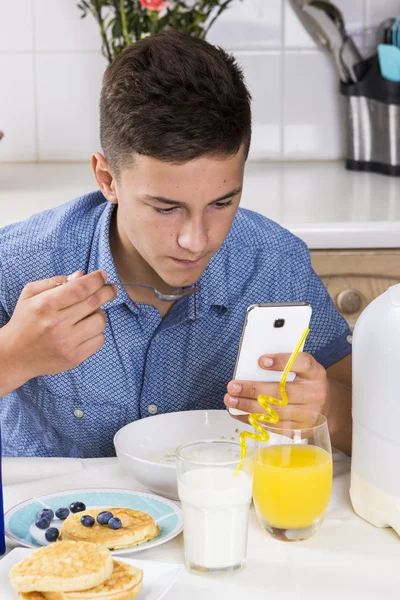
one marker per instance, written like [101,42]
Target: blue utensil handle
[395,32]
[389,62]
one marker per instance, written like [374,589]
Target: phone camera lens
[278,323]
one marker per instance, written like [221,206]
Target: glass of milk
[215,488]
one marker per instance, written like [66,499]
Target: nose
[193,236]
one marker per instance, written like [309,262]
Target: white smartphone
[269,329]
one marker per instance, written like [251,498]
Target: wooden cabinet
[354,278]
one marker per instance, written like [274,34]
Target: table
[347,559]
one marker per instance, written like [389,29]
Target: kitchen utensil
[349,54]
[174,295]
[325,23]
[375,477]
[333,35]
[350,57]
[309,23]
[331,10]
[385,31]
[389,62]
[395,41]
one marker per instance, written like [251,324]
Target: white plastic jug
[375,469]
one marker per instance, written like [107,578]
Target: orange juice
[292,485]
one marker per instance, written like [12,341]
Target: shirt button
[78,413]
[152,409]
[349,339]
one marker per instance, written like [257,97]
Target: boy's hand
[309,389]
[55,327]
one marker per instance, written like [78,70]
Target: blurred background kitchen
[51,68]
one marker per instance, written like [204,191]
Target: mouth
[188,263]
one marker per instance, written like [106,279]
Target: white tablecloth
[347,559]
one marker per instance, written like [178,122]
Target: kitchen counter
[325,205]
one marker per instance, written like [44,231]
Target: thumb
[37,287]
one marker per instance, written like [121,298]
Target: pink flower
[157,5]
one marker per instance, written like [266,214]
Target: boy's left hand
[309,389]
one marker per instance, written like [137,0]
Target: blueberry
[87,521]
[52,534]
[104,517]
[42,523]
[115,523]
[62,513]
[47,513]
[77,507]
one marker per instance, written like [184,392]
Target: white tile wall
[17,107]
[311,107]
[16,31]
[68,88]
[51,70]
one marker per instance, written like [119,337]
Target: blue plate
[165,512]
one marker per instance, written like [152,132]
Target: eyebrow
[168,201]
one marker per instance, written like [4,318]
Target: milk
[215,505]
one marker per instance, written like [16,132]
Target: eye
[165,211]
[223,204]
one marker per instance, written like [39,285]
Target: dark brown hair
[175,98]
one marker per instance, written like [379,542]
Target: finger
[89,348]
[253,389]
[293,416]
[85,308]
[77,290]
[305,365]
[297,392]
[75,275]
[246,404]
[90,327]
[37,287]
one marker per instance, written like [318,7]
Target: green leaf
[117,29]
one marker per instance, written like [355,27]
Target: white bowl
[146,448]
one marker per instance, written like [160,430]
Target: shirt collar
[101,257]
[213,283]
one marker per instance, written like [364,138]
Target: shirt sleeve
[330,337]
[4,317]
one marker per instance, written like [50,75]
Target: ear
[104,177]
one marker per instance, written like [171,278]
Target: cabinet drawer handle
[349,301]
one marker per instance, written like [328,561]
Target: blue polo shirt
[148,364]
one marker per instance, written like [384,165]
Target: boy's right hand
[56,327]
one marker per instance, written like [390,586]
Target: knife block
[373,121]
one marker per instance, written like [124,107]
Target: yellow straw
[270,415]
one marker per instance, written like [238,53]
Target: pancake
[137,527]
[62,567]
[124,584]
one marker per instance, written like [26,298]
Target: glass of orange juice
[293,474]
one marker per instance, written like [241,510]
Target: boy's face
[175,217]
